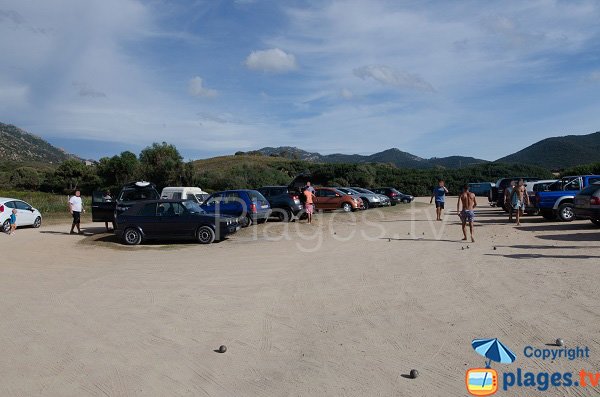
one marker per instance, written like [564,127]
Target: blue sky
[434,78]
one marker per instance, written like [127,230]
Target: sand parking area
[345,307]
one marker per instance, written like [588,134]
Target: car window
[138,195]
[20,205]
[214,199]
[231,197]
[147,210]
[572,184]
[176,196]
[256,196]
[327,193]
[10,204]
[170,209]
[193,207]
[593,180]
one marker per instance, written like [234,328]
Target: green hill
[390,156]
[559,152]
[19,146]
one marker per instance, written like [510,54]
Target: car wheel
[206,235]
[132,236]
[566,212]
[249,221]
[6,226]
[347,207]
[596,222]
[38,222]
[548,215]
[366,203]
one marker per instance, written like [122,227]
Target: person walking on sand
[507,199]
[12,221]
[467,213]
[76,208]
[308,202]
[519,200]
[439,193]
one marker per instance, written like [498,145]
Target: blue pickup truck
[557,200]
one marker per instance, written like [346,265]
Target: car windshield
[193,207]
[395,191]
[138,194]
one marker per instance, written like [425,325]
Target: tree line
[162,164]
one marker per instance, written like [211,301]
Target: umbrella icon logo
[484,381]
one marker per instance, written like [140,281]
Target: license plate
[237,228]
[264,206]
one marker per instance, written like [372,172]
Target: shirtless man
[467,214]
[519,200]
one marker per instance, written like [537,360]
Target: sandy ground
[347,310]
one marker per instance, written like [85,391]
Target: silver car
[369,198]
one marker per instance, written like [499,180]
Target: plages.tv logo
[484,381]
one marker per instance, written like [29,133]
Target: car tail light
[253,208]
[394,194]
[595,200]
[295,197]
[1,208]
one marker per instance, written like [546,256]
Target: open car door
[103,210]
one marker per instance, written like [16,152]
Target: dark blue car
[243,203]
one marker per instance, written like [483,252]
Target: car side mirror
[31,209]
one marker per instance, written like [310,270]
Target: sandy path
[83,316]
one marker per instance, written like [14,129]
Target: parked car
[502,184]
[371,199]
[172,219]
[394,195]
[587,203]
[532,188]
[184,193]
[368,200]
[106,210]
[285,203]
[250,205]
[481,189]
[497,194]
[329,198]
[26,214]
[557,200]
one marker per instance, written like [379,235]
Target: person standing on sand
[507,199]
[439,193]
[76,208]
[308,201]
[12,221]
[519,200]
[467,213]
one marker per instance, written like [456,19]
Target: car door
[233,204]
[324,198]
[212,205]
[175,220]
[103,207]
[24,213]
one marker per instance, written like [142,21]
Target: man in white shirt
[76,207]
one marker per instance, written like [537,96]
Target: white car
[184,193]
[26,214]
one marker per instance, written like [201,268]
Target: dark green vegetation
[559,152]
[247,171]
[391,156]
[17,145]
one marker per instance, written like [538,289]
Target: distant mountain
[559,152]
[393,156]
[20,146]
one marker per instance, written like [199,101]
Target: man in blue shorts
[467,213]
[439,193]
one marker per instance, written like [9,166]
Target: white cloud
[272,60]
[196,88]
[395,78]
[594,76]
[346,93]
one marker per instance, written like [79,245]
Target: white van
[184,193]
